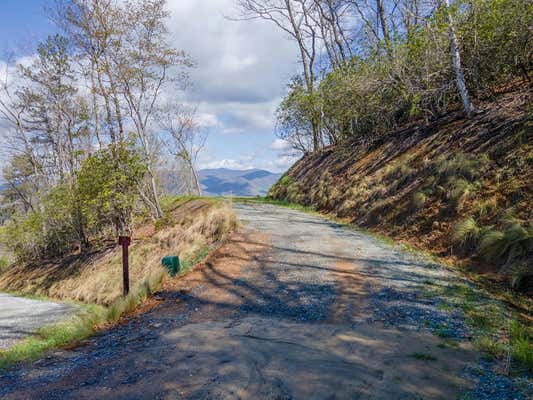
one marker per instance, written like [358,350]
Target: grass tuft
[489,344]
[467,166]
[459,190]
[467,233]
[520,275]
[521,341]
[418,200]
[513,243]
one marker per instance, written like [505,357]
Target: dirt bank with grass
[191,228]
[460,188]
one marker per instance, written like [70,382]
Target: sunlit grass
[53,336]
[79,327]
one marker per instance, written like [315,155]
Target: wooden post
[125,242]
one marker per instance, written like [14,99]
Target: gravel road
[292,307]
[20,317]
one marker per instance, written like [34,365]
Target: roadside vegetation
[192,228]
[498,331]
[54,336]
[89,131]
[368,68]
[91,142]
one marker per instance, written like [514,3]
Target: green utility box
[172,264]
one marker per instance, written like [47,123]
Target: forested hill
[459,187]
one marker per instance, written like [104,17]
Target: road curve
[292,307]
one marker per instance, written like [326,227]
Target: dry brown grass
[98,278]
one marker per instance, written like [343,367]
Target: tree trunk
[456,63]
[95,108]
[194,174]
[153,189]
[384,26]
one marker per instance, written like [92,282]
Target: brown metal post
[125,242]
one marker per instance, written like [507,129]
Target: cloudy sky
[242,68]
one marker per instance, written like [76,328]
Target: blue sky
[242,69]
[22,23]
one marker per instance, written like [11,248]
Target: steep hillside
[461,188]
[223,181]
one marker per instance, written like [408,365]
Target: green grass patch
[53,336]
[521,344]
[191,260]
[491,345]
[496,333]
[79,327]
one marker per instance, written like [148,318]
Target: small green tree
[108,183]
[296,114]
[47,231]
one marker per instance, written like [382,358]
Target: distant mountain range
[224,181]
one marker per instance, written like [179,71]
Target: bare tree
[455,55]
[330,16]
[185,141]
[129,63]
[143,67]
[295,18]
[376,22]
[94,28]
[24,174]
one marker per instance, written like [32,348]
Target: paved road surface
[293,307]
[19,317]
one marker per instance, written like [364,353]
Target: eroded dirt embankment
[293,307]
[461,188]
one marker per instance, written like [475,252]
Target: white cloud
[207,120]
[284,162]
[241,72]
[261,160]
[226,163]
[242,66]
[280,145]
